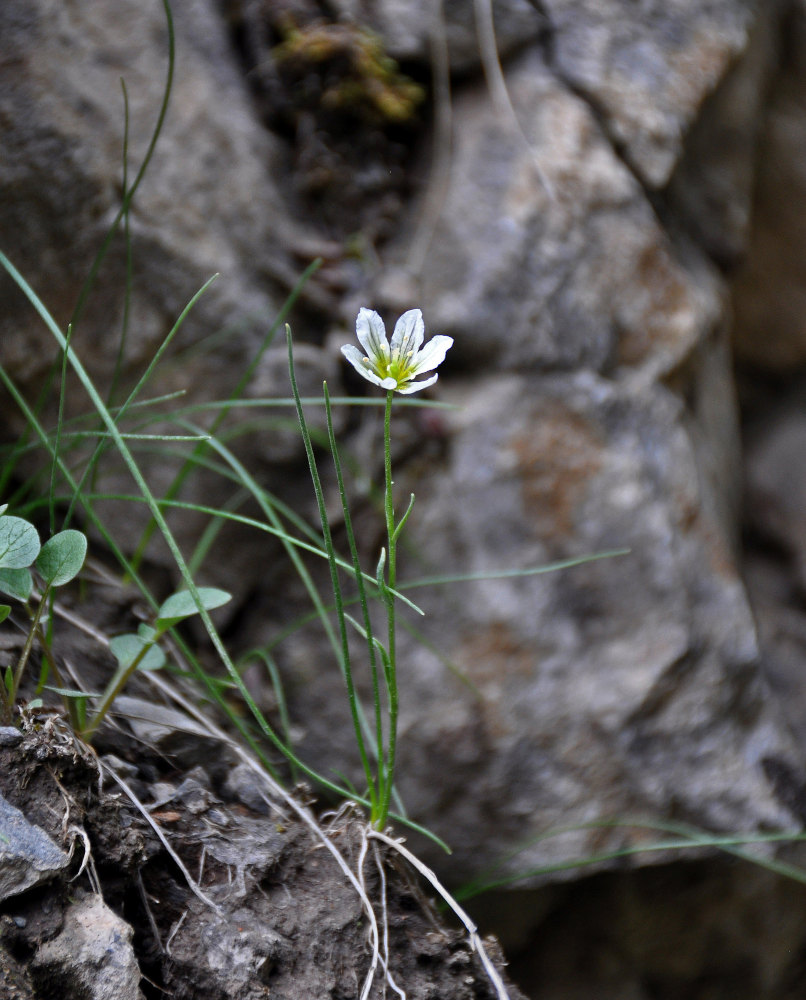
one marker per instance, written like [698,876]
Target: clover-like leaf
[126,649]
[62,557]
[181,605]
[16,583]
[19,542]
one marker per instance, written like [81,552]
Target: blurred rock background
[603,202]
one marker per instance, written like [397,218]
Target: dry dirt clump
[212,885]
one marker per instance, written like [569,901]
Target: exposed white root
[473,932]
[147,907]
[379,945]
[373,924]
[192,885]
[385,921]
[174,931]
[78,833]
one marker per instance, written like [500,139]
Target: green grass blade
[128,196]
[357,573]
[181,477]
[346,666]
[142,381]
[440,581]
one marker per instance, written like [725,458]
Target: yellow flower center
[398,367]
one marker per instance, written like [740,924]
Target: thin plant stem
[362,594]
[120,412]
[390,668]
[334,579]
[127,239]
[128,194]
[189,465]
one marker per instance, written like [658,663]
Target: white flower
[396,366]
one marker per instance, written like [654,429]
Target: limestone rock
[711,190]
[629,686]
[776,482]
[647,75]
[92,957]
[27,854]
[208,204]
[770,289]
[407,28]
[547,254]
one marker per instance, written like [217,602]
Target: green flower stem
[334,576]
[29,643]
[390,669]
[119,680]
[362,593]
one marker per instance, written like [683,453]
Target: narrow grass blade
[346,666]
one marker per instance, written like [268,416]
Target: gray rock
[776,482]
[10,736]
[27,854]
[647,76]
[770,289]
[539,263]
[610,689]
[407,28]
[590,362]
[627,687]
[209,204]
[176,734]
[712,188]
[244,786]
[93,956]
[61,169]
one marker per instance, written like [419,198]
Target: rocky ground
[172,868]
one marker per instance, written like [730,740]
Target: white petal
[416,386]
[432,355]
[356,359]
[371,334]
[409,332]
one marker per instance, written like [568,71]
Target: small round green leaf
[181,605]
[126,649]
[5,611]
[19,542]
[16,583]
[62,557]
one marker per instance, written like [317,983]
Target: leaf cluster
[29,573]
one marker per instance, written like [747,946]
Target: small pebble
[10,736]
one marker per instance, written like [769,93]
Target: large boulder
[208,204]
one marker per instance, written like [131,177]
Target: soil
[271,914]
